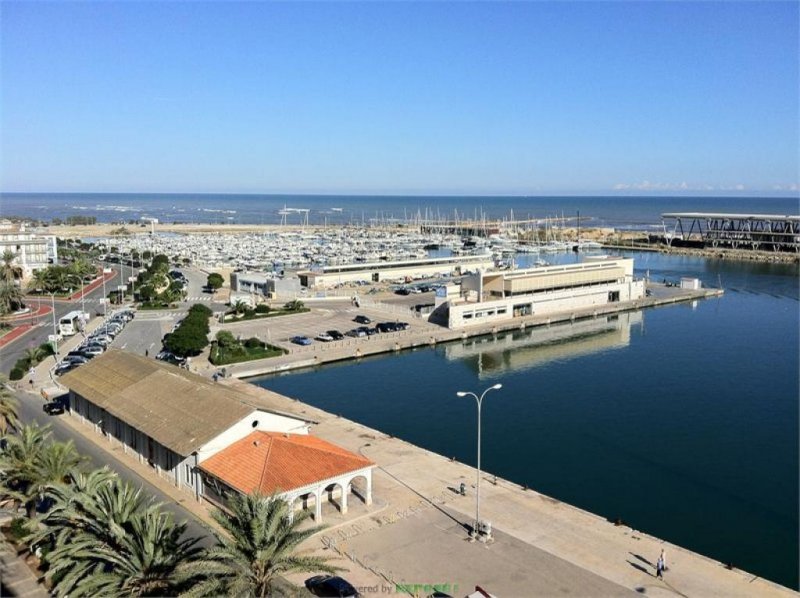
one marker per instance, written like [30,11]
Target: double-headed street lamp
[477,528]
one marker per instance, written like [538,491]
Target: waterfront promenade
[414,534]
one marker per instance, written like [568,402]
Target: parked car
[79,359]
[100,339]
[403,291]
[335,335]
[329,585]
[367,330]
[362,319]
[93,350]
[170,357]
[385,327]
[64,367]
[300,340]
[356,333]
[324,337]
[54,408]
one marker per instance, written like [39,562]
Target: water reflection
[491,356]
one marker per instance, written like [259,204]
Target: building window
[522,309]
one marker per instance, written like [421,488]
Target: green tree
[10,272]
[226,339]
[18,460]
[10,296]
[34,355]
[55,464]
[109,541]
[215,281]
[160,262]
[295,305]
[239,306]
[9,417]
[260,542]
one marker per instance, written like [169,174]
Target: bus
[71,323]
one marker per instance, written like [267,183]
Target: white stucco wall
[542,303]
[258,420]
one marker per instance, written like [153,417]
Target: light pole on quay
[476,528]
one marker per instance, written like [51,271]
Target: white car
[324,337]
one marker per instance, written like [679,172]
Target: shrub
[17,373]
[215,280]
[225,338]
[253,343]
[47,348]
[262,308]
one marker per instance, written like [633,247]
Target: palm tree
[239,306]
[39,280]
[55,464]
[19,458]
[10,271]
[9,418]
[34,355]
[259,543]
[110,541]
[10,296]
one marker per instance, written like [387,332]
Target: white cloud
[682,186]
[789,187]
[648,186]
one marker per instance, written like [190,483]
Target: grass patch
[153,306]
[228,352]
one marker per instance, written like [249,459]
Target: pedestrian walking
[147,352]
[664,560]
[660,568]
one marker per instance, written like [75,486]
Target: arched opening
[335,495]
[360,487]
[305,502]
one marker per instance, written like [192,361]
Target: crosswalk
[201,298]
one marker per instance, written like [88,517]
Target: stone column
[318,505]
[345,490]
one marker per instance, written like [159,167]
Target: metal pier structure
[764,232]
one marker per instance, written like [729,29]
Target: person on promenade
[660,568]
[664,560]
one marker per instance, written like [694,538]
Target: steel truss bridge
[736,231]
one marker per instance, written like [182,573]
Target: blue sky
[400,97]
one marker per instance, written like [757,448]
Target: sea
[635,213]
[681,421]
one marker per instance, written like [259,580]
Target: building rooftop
[268,462]
[180,410]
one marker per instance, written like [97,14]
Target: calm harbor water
[681,420]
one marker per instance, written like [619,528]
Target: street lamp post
[105,297]
[479,400]
[55,330]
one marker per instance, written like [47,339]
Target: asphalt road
[30,410]
[91,300]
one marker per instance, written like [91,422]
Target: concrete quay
[415,535]
[421,333]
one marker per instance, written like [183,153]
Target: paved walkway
[420,538]
[16,578]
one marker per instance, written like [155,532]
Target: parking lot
[336,314]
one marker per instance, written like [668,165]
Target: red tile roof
[268,462]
